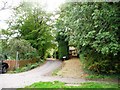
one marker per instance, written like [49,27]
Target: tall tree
[94,29]
[31,22]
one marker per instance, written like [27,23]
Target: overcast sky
[50,6]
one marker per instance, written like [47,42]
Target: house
[72,52]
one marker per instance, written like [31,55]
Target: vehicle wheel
[4,70]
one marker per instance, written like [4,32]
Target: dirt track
[72,68]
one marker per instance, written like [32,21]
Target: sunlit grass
[57,84]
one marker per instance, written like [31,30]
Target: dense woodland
[93,28]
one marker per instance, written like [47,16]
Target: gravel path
[38,74]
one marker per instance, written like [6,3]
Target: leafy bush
[27,67]
[103,77]
[26,51]
[33,26]
[63,48]
[94,29]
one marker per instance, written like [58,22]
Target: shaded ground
[72,68]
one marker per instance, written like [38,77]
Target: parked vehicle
[3,65]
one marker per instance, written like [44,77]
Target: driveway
[38,74]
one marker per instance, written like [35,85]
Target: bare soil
[72,68]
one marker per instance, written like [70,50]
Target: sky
[50,6]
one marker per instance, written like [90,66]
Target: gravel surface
[38,74]
[72,68]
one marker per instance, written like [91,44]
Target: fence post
[17,64]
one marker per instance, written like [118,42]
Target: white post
[17,66]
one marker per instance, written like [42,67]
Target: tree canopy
[31,23]
[94,29]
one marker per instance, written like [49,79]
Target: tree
[4,5]
[31,23]
[63,48]
[62,38]
[26,51]
[93,28]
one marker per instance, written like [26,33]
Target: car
[3,65]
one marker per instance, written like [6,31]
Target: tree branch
[5,6]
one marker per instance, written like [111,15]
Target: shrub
[63,48]
[94,29]
[26,51]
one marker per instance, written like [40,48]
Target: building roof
[72,48]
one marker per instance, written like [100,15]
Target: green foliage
[26,68]
[62,39]
[102,77]
[26,51]
[98,85]
[57,84]
[94,29]
[31,22]
[55,55]
[63,48]
[1,48]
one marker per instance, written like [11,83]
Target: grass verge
[100,76]
[57,84]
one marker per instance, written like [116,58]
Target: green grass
[98,85]
[57,84]
[102,76]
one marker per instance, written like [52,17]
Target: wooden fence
[21,63]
